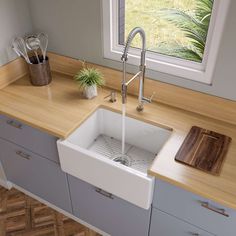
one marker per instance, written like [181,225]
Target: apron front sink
[93,153]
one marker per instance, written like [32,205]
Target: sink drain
[122,159]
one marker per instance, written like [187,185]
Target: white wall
[14,20]
[75,30]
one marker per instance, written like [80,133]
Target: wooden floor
[20,215]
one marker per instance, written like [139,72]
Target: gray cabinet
[163,224]
[38,175]
[196,210]
[28,137]
[108,213]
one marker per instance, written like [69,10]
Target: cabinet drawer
[163,224]
[108,213]
[35,174]
[194,209]
[28,137]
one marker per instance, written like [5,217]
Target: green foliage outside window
[174,27]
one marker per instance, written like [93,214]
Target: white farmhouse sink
[93,153]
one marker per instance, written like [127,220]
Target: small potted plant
[89,79]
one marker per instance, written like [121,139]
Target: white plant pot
[90,91]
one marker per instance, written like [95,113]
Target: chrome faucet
[141,72]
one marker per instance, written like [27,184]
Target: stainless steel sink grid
[109,147]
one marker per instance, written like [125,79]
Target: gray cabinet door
[194,209]
[35,174]
[108,213]
[163,224]
[28,137]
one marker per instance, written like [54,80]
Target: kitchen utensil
[33,43]
[43,38]
[19,47]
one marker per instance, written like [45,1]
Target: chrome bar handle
[220,211]
[134,77]
[104,193]
[14,124]
[23,155]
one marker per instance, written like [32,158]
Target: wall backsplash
[75,30]
[14,20]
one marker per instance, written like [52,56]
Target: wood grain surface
[12,71]
[21,215]
[204,149]
[187,99]
[217,108]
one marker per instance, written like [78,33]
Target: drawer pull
[14,124]
[24,155]
[104,193]
[215,209]
[194,234]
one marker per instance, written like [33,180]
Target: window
[183,36]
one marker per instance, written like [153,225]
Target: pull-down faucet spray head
[130,38]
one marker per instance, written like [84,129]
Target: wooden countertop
[59,109]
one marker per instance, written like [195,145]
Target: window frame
[201,72]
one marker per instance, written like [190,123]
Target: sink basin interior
[101,134]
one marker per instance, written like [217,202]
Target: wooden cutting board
[204,149]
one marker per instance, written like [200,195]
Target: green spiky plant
[88,77]
[195,28]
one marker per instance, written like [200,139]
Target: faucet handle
[145,100]
[112,96]
[152,96]
[148,100]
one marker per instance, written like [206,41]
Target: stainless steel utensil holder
[40,73]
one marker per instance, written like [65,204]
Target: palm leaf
[195,28]
[204,9]
[180,52]
[180,18]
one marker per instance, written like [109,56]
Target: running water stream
[123,128]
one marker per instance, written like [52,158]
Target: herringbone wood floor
[20,215]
